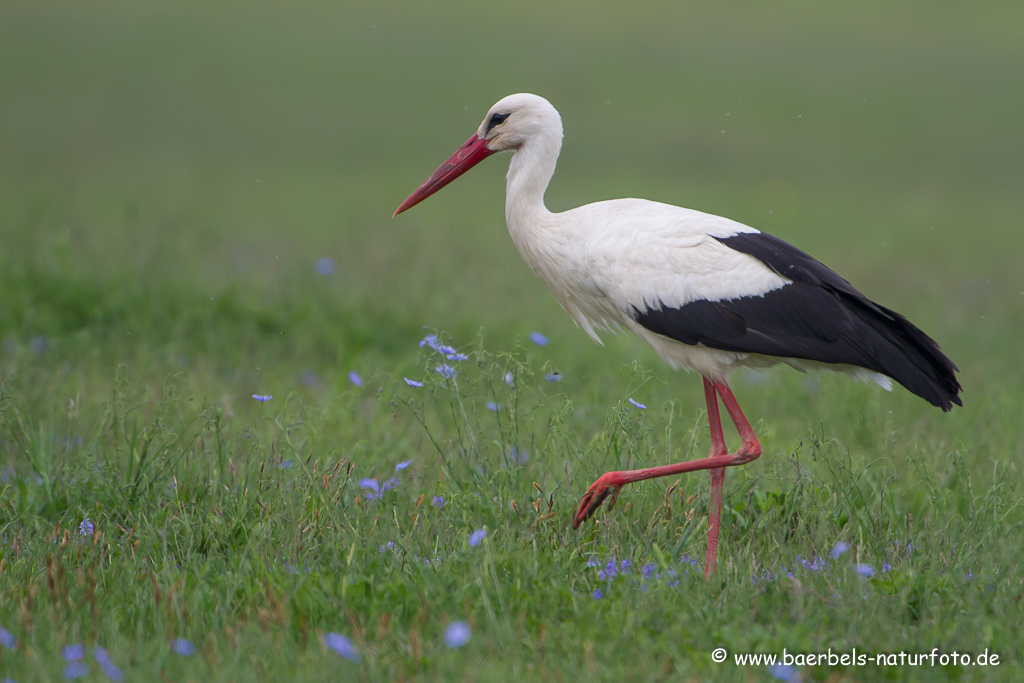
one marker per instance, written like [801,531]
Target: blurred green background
[172,174]
[227,146]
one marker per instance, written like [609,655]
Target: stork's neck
[529,173]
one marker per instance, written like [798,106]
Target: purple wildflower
[817,564]
[183,647]
[354,377]
[611,569]
[85,528]
[454,355]
[493,407]
[446,371]
[369,484]
[509,380]
[262,398]
[438,502]
[886,567]
[412,382]
[342,646]
[553,377]
[76,670]
[286,464]
[73,653]
[641,406]
[647,570]
[429,340]
[457,634]
[838,549]
[390,484]
[477,536]
[7,639]
[865,570]
[390,545]
[593,562]
[325,265]
[111,670]
[785,672]
[598,594]
[538,339]
[402,465]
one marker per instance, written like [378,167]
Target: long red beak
[472,152]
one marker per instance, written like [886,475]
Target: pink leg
[717,476]
[610,482]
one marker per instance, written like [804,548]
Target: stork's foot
[609,484]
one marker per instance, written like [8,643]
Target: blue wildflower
[647,570]
[7,639]
[85,528]
[509,380]
[389,484]
[598,594]
[886,567]
[477,536]
[110,670]
[817,564]
[457,634]
[538,339]
[76,670]
[493,407]
[73,653]
[641,406]
[412,382]
[593,562]
[286,464]
[369,484]
[446,371]
[838,549]
[431,340]
[438,502]
[354,377]
[454,355]
[553,377]
[785,672]
[865,570]
[342,646]
[402,465]
[183,647]
[262,398]
[390,545]
[325,265]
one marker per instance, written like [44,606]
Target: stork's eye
[496,119]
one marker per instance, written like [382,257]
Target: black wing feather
[819,317]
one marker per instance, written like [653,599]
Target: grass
[170,177]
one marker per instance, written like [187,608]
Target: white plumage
[708,293]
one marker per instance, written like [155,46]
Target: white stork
[708,293]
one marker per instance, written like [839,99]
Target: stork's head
[513,122]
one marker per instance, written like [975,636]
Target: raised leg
[610,482]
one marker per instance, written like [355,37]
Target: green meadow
[195,208]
